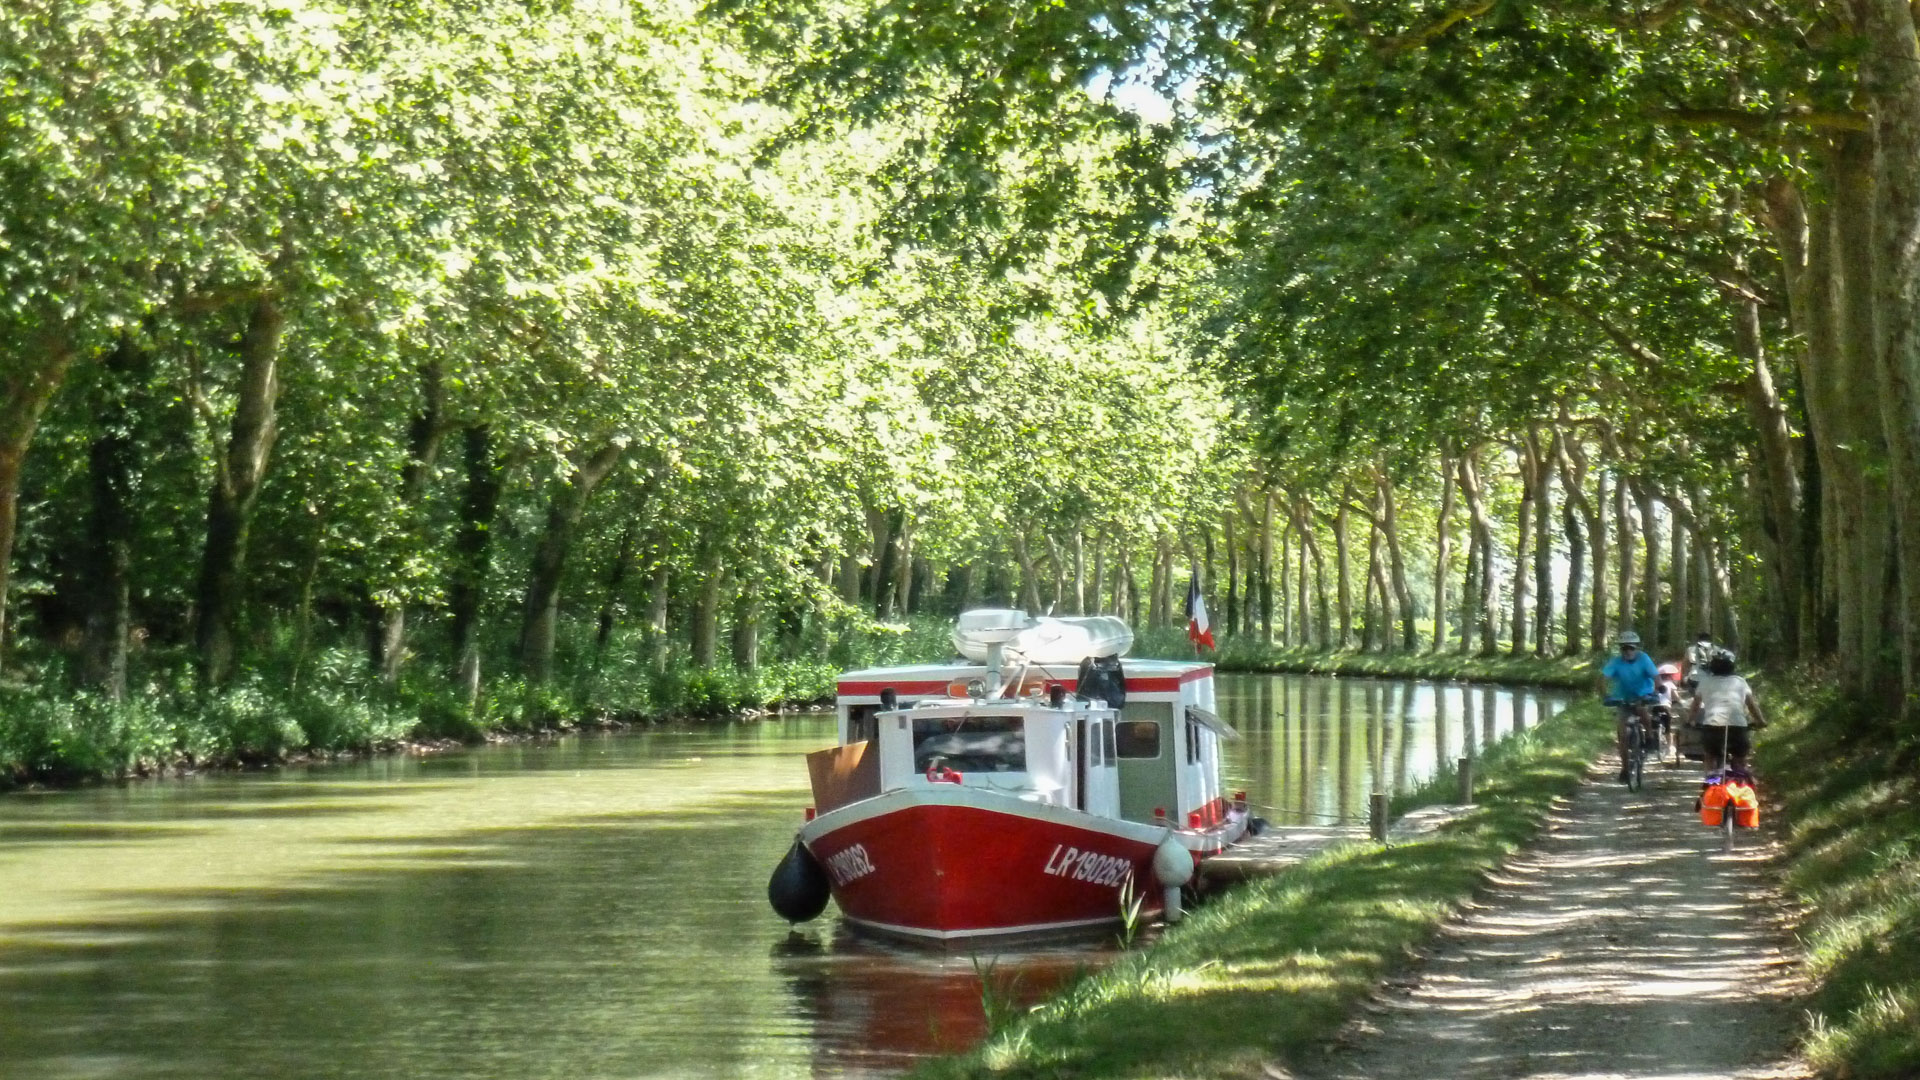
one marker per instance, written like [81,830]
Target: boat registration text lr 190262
[1088,866]
[851,864]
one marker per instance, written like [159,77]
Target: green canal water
[588,908]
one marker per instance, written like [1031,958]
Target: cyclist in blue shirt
[1630,677]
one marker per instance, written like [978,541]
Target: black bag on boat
[1102,680]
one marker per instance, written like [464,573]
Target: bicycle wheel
[1636,757]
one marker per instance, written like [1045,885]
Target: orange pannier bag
[1735,793]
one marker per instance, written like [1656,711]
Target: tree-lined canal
[588,908]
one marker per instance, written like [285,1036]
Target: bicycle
[1635,764]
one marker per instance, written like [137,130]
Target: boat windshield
[970,744]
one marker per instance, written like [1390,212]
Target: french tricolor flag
[1198,628]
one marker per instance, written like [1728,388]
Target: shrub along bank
[1272,968]
[1853,806]
[332,703]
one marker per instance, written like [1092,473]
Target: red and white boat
[1006,794]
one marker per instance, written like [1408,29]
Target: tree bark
[1677,571]
[1543,458]
[1402,593]
[659,595]
[486,476]
[1372,632]
[1029,575]
[1080,574]
[1592,510]
[744,634]
[1323,623]
[541,614]
[1650,534]
[1057,563]
[1623,552]
[1482,529]
[703,630]
[1231,612]
[424,437]
[1099,571]
[238,474]
[1523,547]
[108,549]
[1780,481]
[1861,452]
[1890,73]
[1343,566]
[1266,570]
[1156,601]
[616,579]
[880,574]
[1576,575]
[30,378]
[1442,553]
[902,568]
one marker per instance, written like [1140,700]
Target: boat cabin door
[1098,773]
[1147,768]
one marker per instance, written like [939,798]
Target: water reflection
[588,907]
[1315,748]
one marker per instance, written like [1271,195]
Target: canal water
[588,908]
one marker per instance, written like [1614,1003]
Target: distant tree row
[1678,238]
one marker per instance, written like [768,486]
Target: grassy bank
[1854,848]
[331,703]
[1273,968]
[1244,654]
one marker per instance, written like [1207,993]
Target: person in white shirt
[1699,651]
[1725,710]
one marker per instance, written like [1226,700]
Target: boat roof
[913,680]
[953,668]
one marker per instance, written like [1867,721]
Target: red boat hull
[946,863]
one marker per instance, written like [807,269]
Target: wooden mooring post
[1377,816]
[1465,773]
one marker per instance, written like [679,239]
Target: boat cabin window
[1138,738]
[1193,743]
[970,744]
[1106,738]
[863,723]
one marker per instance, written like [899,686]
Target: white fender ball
[1172,863]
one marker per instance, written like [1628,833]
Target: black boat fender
[798,888]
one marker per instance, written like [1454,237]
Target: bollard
[1465,772]
[1377,816]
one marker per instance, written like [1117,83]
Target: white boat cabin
[1155,760]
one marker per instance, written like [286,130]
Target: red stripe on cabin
[906,689]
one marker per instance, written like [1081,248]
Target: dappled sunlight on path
[1629,941]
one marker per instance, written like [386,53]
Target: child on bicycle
[1630,679]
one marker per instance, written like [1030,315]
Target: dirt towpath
[1628,941]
